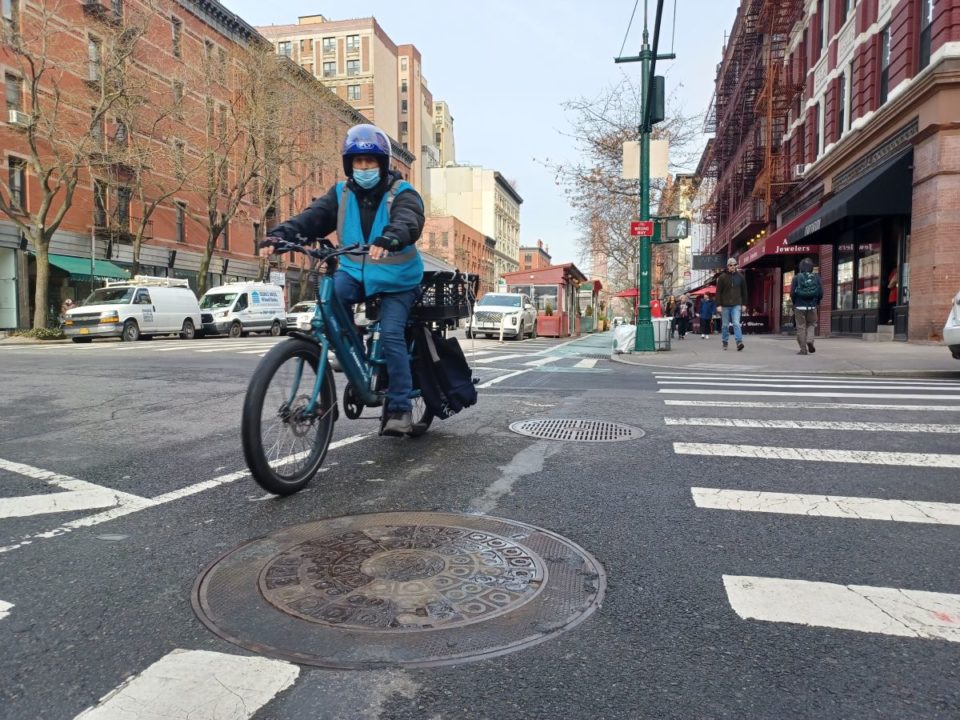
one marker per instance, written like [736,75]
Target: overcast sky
[505,67]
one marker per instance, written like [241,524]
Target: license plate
[84,331]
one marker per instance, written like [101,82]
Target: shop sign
[811,228]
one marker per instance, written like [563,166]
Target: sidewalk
[778,353]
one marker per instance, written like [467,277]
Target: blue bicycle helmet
[366,140]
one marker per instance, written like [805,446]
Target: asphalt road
[858,607]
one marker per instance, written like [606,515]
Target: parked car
[513,310]
[951,330]
[300,315]
[134,309]
[239,308]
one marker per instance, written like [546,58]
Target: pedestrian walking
[806,291]
[707,308]
[731,301]
[683,316]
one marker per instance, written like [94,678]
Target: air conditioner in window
[18,117]
[799,171]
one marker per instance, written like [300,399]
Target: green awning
[80,267]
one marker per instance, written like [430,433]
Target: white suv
[512,311]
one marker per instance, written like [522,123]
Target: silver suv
[513,312]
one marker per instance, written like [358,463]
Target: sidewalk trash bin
[661,333]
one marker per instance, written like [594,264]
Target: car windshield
[110,296]
[217,300]
[303,307]
[501,300]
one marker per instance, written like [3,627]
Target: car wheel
[131,331]
[275,329]
[533,331]
[188,331]
[469,335]
[488,336]
[520,333]
[236,330]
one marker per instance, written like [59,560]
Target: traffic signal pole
[648,57]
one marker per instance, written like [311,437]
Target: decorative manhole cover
[398,589]
[576,430]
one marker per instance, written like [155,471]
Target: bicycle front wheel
[284,442]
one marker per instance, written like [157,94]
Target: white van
[239,308]
[131,309]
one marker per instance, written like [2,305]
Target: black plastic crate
[446,296]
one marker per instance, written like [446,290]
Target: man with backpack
[806,291]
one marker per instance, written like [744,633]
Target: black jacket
[731,289]
[320,219]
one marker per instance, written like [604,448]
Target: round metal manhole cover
[576,430]
[414,589]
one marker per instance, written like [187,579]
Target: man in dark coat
[731,301]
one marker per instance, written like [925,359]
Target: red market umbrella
[631,293]
[712,289]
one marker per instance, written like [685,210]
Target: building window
[306,46]
[403,63]
[94,59]
[99,203]
[178,154]
[176,28]
[353,42]
[208,51]
[225,235]
[329,69]
[178,98]
[120,136]
[308,66]
[180,208]
[222,65]
[821,16]
[403,106]
[123,208]
[222,123]
[926,26]
[438,137]
[845,7]
[353,92]
[353,67]
[329,44]
[403,126]
[96,127]
[884,64]
[403,85]
[817,131]
[841,105]
[11,16]
[18,183]
[257,234]
[117,7]
[14,92]
[209,117]
[285,48]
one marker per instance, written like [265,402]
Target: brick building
[535,258]
[857,159]
[166,108]
[467,249]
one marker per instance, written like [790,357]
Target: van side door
[145,311]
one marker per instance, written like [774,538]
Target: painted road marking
[857,508]
[544,360]
[5,609]
[197,684]
[864,457]
[813,379]
[815,425]
[501,357]
[888,611]
[501,378]
[745,393]
[80,495]
[812,405]
[588,363]
[825,385]
[112,514]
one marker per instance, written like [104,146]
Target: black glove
[387,243]
[270,241]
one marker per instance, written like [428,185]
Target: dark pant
[705,325]
[683,325]
[394,311]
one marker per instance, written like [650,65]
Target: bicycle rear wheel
[284,445]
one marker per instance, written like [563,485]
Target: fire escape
[776,20]
[740,135]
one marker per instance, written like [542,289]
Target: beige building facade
[443,133]
[484,200]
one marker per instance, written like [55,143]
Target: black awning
[885,191]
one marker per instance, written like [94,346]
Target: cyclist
[373,206]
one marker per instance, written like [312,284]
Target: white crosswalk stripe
[903,612]
[197,684]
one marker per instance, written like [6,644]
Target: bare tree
[604,203]
[61,127]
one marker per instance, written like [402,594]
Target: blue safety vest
[395,272]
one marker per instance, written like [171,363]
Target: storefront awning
[885,191]
[770,248]
[80,268]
